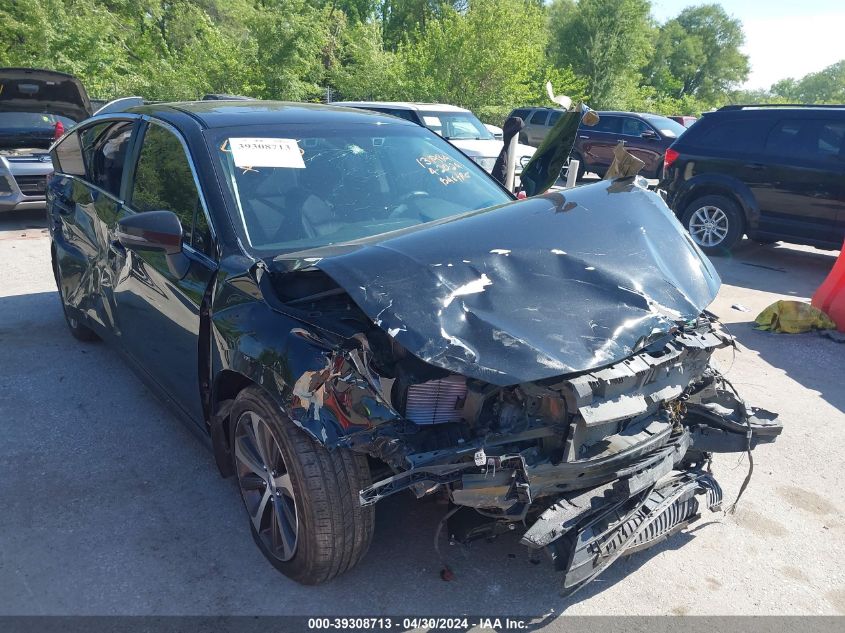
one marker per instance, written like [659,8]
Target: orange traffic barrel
[830,297]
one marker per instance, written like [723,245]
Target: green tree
[488,58]
[604,41]
[825,86]
[698,54]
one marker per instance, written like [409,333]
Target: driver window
[164,182]
[633,127]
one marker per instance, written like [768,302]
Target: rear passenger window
[104,148]
[786,138]
[610,124]
[67,156]
[164,182]
[522,114]
[539,117]
[740,135]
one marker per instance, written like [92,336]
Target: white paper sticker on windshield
[432,120]
[266,152]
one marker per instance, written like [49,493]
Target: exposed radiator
[436,401]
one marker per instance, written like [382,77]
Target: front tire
[715,223]
[301,499]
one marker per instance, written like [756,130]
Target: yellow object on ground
[793,317]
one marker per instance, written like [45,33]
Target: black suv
[771,172]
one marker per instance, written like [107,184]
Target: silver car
[36,107]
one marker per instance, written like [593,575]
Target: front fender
[321,382]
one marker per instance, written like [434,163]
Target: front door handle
[755,166]
[583,136]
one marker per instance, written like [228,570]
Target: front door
[643,142]
[158,313]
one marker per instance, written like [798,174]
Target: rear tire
[715,223]
[73,317]
[79,331]
[307,485]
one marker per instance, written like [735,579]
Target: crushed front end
[596,464]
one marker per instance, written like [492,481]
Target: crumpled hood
[46,91]
[562,283]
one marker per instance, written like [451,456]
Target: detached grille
[32,185]
[436,401]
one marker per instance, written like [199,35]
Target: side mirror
[157,231]
[650,134]
[151,231]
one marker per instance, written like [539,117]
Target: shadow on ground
[810,359]
[775,268]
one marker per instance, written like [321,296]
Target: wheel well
[227,385]
[709,190]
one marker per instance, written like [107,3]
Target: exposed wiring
[445,573]
[744,412]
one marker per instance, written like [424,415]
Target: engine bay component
[436,401]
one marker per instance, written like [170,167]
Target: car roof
[779,111]
[623,113]
[403,105]
[217,114]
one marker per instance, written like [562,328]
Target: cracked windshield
[301,187]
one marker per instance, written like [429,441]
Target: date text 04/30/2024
[408,623]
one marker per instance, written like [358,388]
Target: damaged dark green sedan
[349,308]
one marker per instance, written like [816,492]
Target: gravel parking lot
[110,505]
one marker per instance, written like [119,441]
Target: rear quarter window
[737,135]
[67,156]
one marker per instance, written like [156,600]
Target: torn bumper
[609,524]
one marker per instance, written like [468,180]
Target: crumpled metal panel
[562,283]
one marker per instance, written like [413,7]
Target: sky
[783,38]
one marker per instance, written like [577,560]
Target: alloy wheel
[265,486]
[708,226]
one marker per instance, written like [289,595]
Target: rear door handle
[583,136]
[756,166]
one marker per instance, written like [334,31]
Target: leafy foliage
[487,55]
[826,86]
[604,41]
[698,54]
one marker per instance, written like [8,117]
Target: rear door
[84,200]
[804,193]
[158,313]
